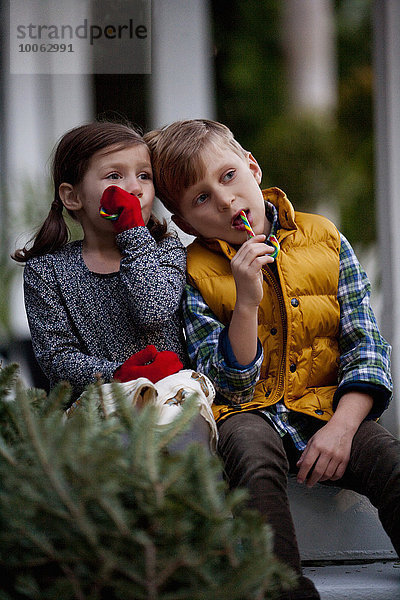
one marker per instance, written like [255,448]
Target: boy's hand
[122,208]
[246,268]
[327,453]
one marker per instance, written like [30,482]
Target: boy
[291,344]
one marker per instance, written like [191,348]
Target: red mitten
[150,364]
[166,363]
[122,208]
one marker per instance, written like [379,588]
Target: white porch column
[37,109]
[386,23]
[309,39]
[182,73]
[181,79]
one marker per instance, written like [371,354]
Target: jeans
[258,459]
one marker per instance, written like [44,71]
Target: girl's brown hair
[177,155]
[69,165]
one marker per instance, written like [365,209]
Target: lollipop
[106,215]
[247,226]
[272,241]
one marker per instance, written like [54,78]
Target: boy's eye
[113,176]
[229,175]
[201,199]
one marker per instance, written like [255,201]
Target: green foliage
[355,136]
[249,66]
[7,274]
[25,210]
[312,161]
[96,507]
[298,154]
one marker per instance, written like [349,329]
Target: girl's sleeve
[210,351]
[57,345]
[153,275]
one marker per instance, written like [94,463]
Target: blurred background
[310,87]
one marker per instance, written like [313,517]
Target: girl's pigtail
[52,235]
[158,229]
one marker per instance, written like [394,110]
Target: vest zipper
[278,291]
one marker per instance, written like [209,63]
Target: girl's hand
[122,208]
[149,363]
[246,268]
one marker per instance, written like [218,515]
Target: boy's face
[210,208]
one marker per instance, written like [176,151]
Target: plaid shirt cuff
[380,395]
[209,353]
[226,350]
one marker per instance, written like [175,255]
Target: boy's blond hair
[177,155]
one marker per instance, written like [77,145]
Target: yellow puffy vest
[298,318]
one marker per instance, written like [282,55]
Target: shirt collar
[272,215]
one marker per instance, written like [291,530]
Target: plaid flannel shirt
[364,354]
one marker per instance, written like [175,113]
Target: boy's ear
[184,225]
[69,197]
[255,168]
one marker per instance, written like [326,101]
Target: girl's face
[128,168]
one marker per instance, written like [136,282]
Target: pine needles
[96,508]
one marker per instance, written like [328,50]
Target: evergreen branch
[50,552]
[50,472]
[69,573]
[8,376]
[126,413]
[58,398]
[176,470]
[4,452]
[102,404]
[115,517]
[94,508]
[39,542]
[168,433]
[126,570]
[8,409]
[150,566]
[169,570]
[151,570]
[212,493]
[151,454]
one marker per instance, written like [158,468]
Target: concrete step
[337,525]
[343,546]
[374,581]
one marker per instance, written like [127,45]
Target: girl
[93,303]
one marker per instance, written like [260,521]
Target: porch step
[343,546]
[337,525]
[375,581]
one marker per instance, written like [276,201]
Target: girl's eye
[201,199]
[229,175]
[145,176]
[113,176]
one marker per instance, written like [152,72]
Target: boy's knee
[248,436]
[375,463]
[375,448]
